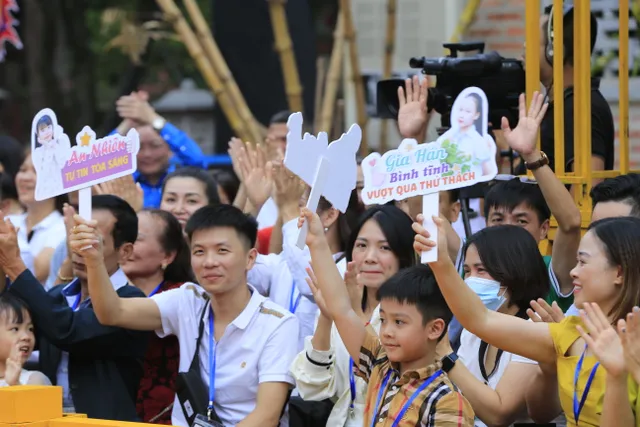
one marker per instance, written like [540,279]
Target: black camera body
[501,79]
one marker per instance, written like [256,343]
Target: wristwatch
[542,161]
[158,123]
[449,361]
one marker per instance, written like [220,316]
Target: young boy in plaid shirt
[407,386]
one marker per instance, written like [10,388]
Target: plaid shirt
[438,405]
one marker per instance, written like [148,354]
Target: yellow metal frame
[582,176]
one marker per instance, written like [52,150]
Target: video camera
[501,79]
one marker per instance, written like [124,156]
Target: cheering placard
[463,156]
[330,169]
[61,168]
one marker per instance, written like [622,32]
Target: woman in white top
[380,245]
[16,343]
[41,228]
[503,265]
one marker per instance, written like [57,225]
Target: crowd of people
[186,299]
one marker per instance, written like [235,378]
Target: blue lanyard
[405,407]
[577,407]
[352,385]
[293,305]
[212,365]
[155,291]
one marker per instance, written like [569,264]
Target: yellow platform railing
[582,176]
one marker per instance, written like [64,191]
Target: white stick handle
[322,173]
[430,208]
[84,205]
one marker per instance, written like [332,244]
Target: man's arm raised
[131,313]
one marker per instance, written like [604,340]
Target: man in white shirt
[248,342]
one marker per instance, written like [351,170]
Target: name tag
[202,421]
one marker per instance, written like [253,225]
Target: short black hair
[210,183]
[228,181]
[219,216]
[511,193]
[417,286]
[511,256]
[8,190]
[281,117]
[624,189]
[12,154]
[13,307]
[125,229]
[567,32]
[454,195]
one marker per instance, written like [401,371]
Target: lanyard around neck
[212,365]
[352,386]
[577,406]
[155,291]
[405,407]
[76,303]
[293,303]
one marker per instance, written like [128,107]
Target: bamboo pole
[389,48]
[321,75]
[338,121]
[284,47]
[174,16]
[212,51]
[356,76]
[333,77]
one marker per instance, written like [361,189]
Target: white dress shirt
[48,233]
[282,277]
[324,375]
[255,348]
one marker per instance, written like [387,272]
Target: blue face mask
[487,290]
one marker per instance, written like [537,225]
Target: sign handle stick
[430,208]
[84,205]
[322,173]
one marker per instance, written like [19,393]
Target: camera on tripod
[501,79]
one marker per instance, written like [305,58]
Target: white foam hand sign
[330,169]
[305,155]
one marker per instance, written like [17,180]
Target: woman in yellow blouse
[607,273]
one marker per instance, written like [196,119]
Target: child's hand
[422,241]
[13,365]
[312,281]
[85,240]
[315,235]
[354,289]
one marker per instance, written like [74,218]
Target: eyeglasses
[523,178]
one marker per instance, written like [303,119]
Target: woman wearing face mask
[503,266]
[380,245]
[606,274]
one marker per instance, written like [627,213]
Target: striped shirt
[437,405]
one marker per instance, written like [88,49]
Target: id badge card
[202,421]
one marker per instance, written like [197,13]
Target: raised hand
[541,311]
[86,241]
[136,108]
[412,115]
[524,137]
[124,187]
[422,242]
[13,365]
[312,281]
[288,187]
[354,288]
[257,174]
[9,249]
[236,147]
[315,234]
[629,332]
[602,339]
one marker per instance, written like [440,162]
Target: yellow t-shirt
[564,334]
